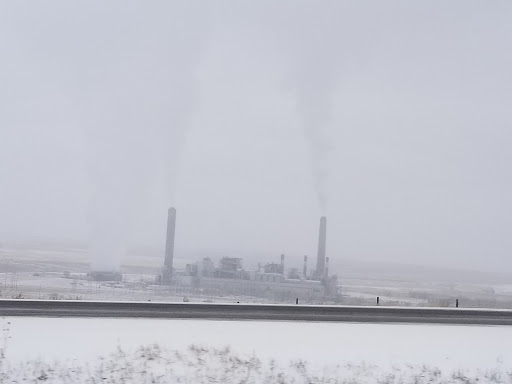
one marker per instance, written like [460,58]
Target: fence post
[456,303]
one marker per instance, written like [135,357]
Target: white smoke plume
[312,68]
[140,99]
[313,103]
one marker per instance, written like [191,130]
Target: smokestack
[169,241]
[305,270]
[282,264]
[320,261]
[326,267]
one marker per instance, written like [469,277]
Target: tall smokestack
[282,264]
[305,270]
[320,260]
[169,241]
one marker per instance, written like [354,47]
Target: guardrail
[58,308]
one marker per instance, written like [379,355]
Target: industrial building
[105,276]
[270,280]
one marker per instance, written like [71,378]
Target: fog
[253,120]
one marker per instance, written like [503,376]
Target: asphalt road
[57,308]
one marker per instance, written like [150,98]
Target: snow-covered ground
[378,352]
[140,287]
[32,273]
[324,345]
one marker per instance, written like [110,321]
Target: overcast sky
[255,118]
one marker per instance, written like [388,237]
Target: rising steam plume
[139,105]
[314,108]
[312,74]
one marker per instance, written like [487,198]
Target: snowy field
[330,349]
[51,273]
[135,350]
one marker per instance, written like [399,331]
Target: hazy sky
[253,119]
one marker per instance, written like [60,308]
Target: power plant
[270,280]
